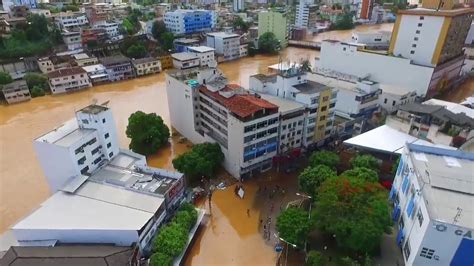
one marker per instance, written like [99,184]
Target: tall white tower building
[305,14]
[238,5]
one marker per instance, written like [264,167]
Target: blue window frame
[405,184]
[411,206]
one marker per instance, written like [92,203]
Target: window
[406,249]
[106,135]
[103,120]
[111,154]
[85,121]
[416,38]
[326,98]
[420,24]
[324,108]
[385,101]
[422,18]
[323,117]
[412,52]
[109,145]
[84,170]
[427,253]
[393,103]
[419,215]
[417,32]
[413,45]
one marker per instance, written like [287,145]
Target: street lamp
[309,214]
[287,243]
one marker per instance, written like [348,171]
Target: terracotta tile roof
[66,72]
[242,105]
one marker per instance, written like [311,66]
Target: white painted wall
[427,38]
[345,58]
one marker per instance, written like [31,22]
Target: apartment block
[84,59]
[146,66]
[185,21]
[204,107]
[118,67]
[69,20]
[16,91]
[68,79]
[94,185]
[275,22]
[319,99]
[432,197]
[227,45]
[185,60]
[206,54]
[112,31]
[306,14]
[182,44]
[96,73]
[72,39]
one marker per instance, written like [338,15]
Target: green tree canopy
[344,22]
[158,28]
[314,258]
[362,173]
[171,240]
[239,23]
[355,210]
[366,161]
[147,132]
[268,43]
[328,158]
[136,51]
[203,159]
[37,91]
[293,225]
[5,78]
[166,40]
[305,65]
[312,177]
[36,80]
[161,259]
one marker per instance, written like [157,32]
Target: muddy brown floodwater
[230,238]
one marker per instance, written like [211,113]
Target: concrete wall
[345,58]
[427,38]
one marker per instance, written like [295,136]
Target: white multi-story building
[68,79]
[227,45]
[84,59]
[69,20]
[244,49]
[306,14]
[185,60]
[238,5]
[319,99]
[206,54]
[394,96]
[205,108]
[72,39]
[112,30]
[95,186]
[425,49]
[433,195]
[96,73]
[185,21]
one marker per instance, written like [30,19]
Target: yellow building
[166,61]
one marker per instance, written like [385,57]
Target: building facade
[319,99]
[183,21]
[274,22]
[16,91]
[227,45]
[146,66]
[238,5]
[306,14]
[204,107]
[88,173]
[118,67]
[69,20]
[185,60]
[96,73]
[206,54]
[68,79]
[72,39]
[432,196]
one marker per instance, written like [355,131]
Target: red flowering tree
[355,210]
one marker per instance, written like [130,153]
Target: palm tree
[305,65]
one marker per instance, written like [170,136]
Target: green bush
[171,239]
[186,218]
[161,259]
[35,79]
[314,258]
[37,91]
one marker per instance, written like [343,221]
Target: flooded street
[230,237]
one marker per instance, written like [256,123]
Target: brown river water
[23,186]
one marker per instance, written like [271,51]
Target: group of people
[266,228]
